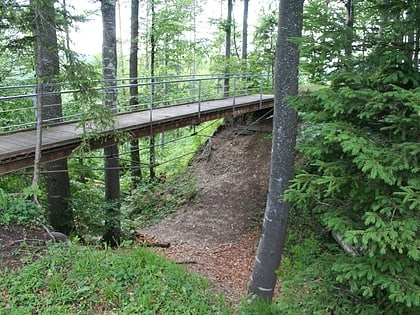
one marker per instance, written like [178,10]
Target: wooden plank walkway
[17,149]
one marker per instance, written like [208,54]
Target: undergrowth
[17,210]
[152,202]
[84,280]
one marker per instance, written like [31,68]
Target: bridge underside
[17,150]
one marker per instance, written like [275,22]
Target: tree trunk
[245,31]
[152,155]
[417,36]
[228,47]
[134,90]
[112,233]
[267,261]
[47,70]
[349,33]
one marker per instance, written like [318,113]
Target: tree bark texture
[349,31]
[267,261]
[245,31]
[228,47]
[134,90]
[47,71]
[112,233]
[152,155]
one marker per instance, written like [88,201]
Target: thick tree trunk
[47,71]
[112,233]
[134,90]
[267,261]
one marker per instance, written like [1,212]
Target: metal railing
[18,103]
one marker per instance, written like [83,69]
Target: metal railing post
[151,105]
[261,90]
[192,87]
[234,94]
[199,99]
[246,84]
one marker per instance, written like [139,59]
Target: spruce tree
[360,172]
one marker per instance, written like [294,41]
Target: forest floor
[217,234]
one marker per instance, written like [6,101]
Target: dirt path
[218,235]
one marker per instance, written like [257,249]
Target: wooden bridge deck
[17,149]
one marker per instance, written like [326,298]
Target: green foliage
[17,210]
[176,53]
[324,39]
[82,280]
[381,37]
[256,306]
[261,59]
[360,170]
[152,202]
[314,289]
[89,207]
[361,175]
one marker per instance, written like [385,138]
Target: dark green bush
[361,176]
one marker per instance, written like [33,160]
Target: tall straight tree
[47,70]
[267,261]
[245,31]
[152,153]
[134,90]
[112,233]
[349,30]
[228,44]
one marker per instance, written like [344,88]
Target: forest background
[358,178]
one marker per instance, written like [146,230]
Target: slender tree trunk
[267,261]
[134,90]
[245,31]
[112,233]
[415,35]
[152,154]
[228,47]
[38,103]
[348,50]
[47,69]
[417,38]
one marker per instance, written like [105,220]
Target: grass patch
[83,280]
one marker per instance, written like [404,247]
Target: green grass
[84,280]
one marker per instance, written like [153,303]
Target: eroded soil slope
[218,234]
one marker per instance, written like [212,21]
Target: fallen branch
[187,262]
[26,240]
[349,249]
[162,245]
[57,236]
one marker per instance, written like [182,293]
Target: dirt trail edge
[217,235]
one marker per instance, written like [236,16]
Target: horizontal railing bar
[170,90]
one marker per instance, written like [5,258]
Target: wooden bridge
[17,149]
